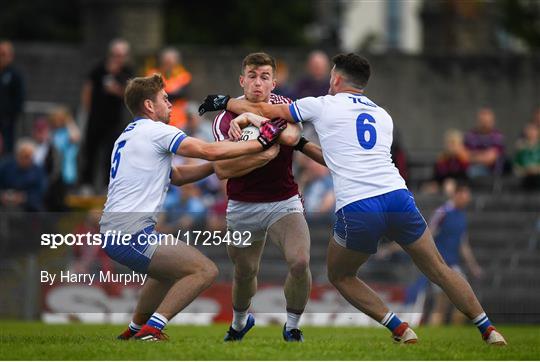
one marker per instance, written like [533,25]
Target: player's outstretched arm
[216,102]
[185,174]
[239,106]
[193,147]
[311,150]
[196,148]
[241,166]
[314,152]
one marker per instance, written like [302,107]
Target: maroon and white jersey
[270,183]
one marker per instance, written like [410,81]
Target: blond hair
[453,134]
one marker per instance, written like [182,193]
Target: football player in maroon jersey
[264,200]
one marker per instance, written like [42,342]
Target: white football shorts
[257,217]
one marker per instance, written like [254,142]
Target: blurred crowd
[64,156]
[481,153]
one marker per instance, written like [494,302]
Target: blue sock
[157,321]
[134,328]
[482,323]
[391,321]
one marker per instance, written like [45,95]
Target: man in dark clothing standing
[11,95]
[101,98]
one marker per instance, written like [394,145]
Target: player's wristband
[300,145]
[264,142]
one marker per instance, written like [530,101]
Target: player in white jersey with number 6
[372,199]
[140,175]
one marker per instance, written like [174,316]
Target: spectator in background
[22,182]
[177,80]
[315,82]
[453,162]
[196,126]
[527,158]
[449,227]
[65,139]
[11,95]
[317,188]
[182,210]
[102,99]
[485,145]
[41,136]
[282,80]
[535,121]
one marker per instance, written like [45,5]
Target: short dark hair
[259,59]
[142,88]
[354,67]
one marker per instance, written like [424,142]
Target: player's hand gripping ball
[270,131]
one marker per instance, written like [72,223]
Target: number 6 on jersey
[362,127]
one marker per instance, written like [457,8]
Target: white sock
[479,318]
[157,321]
[386,318]
[239,319]
[292,321]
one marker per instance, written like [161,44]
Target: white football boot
[404,334]
[493,337]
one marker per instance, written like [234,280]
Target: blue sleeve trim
[173,140]
[298,112]
[293,112]
[180,137]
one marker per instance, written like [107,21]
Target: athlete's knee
[339,277]
[246,271]
[299,266]
[339,280]
[208,272]
[212,272]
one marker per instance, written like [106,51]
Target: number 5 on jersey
[363,128]
[116,160]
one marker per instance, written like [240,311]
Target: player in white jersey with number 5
[140,175]
[372,199]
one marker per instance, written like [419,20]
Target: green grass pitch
[33,341]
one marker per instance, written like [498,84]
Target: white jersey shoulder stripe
[214,127]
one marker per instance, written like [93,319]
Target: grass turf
[33,341]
